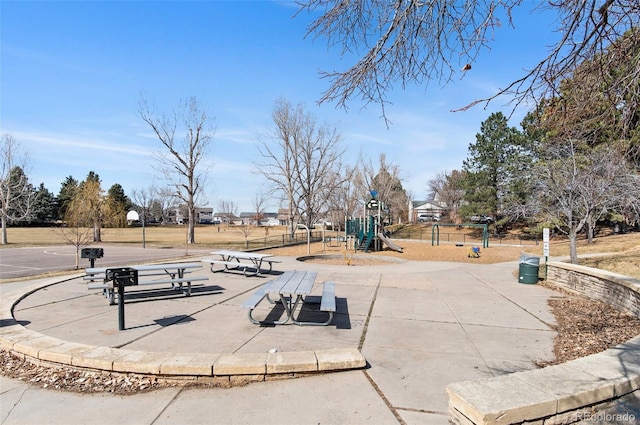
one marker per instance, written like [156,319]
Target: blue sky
[72,74]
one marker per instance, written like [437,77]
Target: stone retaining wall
[620,291]
[565,393]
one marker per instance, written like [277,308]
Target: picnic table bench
[231,261]
[290,289]
[153,274]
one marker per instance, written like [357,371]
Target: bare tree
[385,180]
[446,187]
[258,207]
[164,201]
[406,42]
[600,102]
[17,196]
[183,161]
[629,207]
[80,219]
[153,203]
[300,159]
[228,208]
[575,188]
[245,230]
[343,199]
[143,200]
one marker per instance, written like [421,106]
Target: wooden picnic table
[232,260]
[290,289]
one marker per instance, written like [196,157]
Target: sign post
[545,249]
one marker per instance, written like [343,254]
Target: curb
[167,365]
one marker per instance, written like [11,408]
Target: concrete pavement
[419,325]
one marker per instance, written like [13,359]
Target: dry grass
[609,243]
[156,236]
[626,248]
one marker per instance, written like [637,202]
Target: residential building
[426,211]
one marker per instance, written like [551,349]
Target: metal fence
[274,241]
[277,241]
[471,237]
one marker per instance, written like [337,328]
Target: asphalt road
[33,261]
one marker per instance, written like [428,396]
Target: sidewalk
[419,325]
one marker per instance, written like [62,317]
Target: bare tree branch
[416,42]
[300,161]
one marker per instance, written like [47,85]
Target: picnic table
[153,274]
[290,289]
[241,260]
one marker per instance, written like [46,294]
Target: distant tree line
[573,163]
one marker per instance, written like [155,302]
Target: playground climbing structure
[368,231]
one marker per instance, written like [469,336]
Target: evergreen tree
[67,192]
[117,204]
[495,167]
[45,207]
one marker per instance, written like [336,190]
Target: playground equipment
[363,230]
[389,242]
[369,232]
[435,233]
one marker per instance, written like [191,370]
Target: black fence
[272,241]
[277,241]
[469,237]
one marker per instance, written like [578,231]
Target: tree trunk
[591,223]
[4,230]
[97,235]
[573,247]
[191,234]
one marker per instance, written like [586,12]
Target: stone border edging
[225,368]
[567,392]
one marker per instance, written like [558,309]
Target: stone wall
[620,291]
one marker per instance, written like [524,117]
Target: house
[204,215]
[283,216]
[226,218]
[434,210]
[260,219]
[270,219]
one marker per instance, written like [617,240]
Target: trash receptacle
[529,269]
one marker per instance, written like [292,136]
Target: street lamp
[304,226]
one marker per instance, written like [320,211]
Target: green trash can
[529,269]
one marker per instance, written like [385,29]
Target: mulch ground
[587,327]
